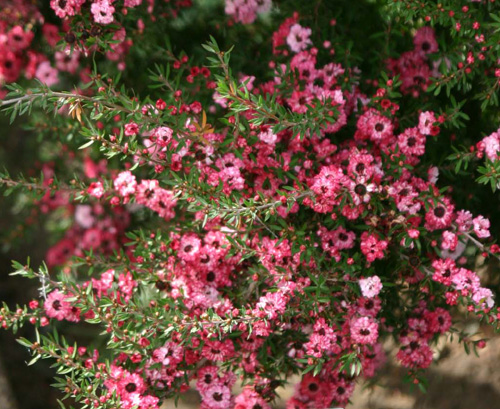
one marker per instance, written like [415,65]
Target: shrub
[247,191]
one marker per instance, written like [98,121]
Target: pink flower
[84,217]
[464,220]
[268,137]
[438,320]
[412,142]
[433,174]
[131,129]
[189,247]
[372,247]
[343,239]
[96,189]
[364,330]
[67,61]
[245,11]
[125,183]
[450,241]
[465,280]
[379,128]
[425,122]
[250,399]
[483,297]
[145,192]
[131,383]
[47,74]
[414,233]
[298,38]
[217,396]
[415,353]
[102,11]
[132,3]
[491,145]
[18,39]
[126,283]
[272,304]
[62,8]
[481,227]
[56,307]
[425,40]
[371,286]
[440,215]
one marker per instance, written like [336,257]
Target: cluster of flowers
[93,226]
[103,11]
[17,55]
[293,275]
[246,11]
[413,67]
[489,146]
[353,177]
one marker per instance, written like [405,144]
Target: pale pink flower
[47,74]
[481,227]
[298,38]
[371,286]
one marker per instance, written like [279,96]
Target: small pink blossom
[364,330]
[131,129]
[47,74]
[371,286]
[481,227]
[96,189]
[125,183]
[298,38]
[102,11]
[56,307]
[425,122]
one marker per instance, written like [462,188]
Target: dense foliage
[242,191]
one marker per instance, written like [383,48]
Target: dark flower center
[418,79]
[131,387]
[313,387]
[439,211]
[379,127]
[360,189]
[360,167]
[217,396]
[161,285]
[56,305]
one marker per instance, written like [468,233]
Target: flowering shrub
[247,220]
